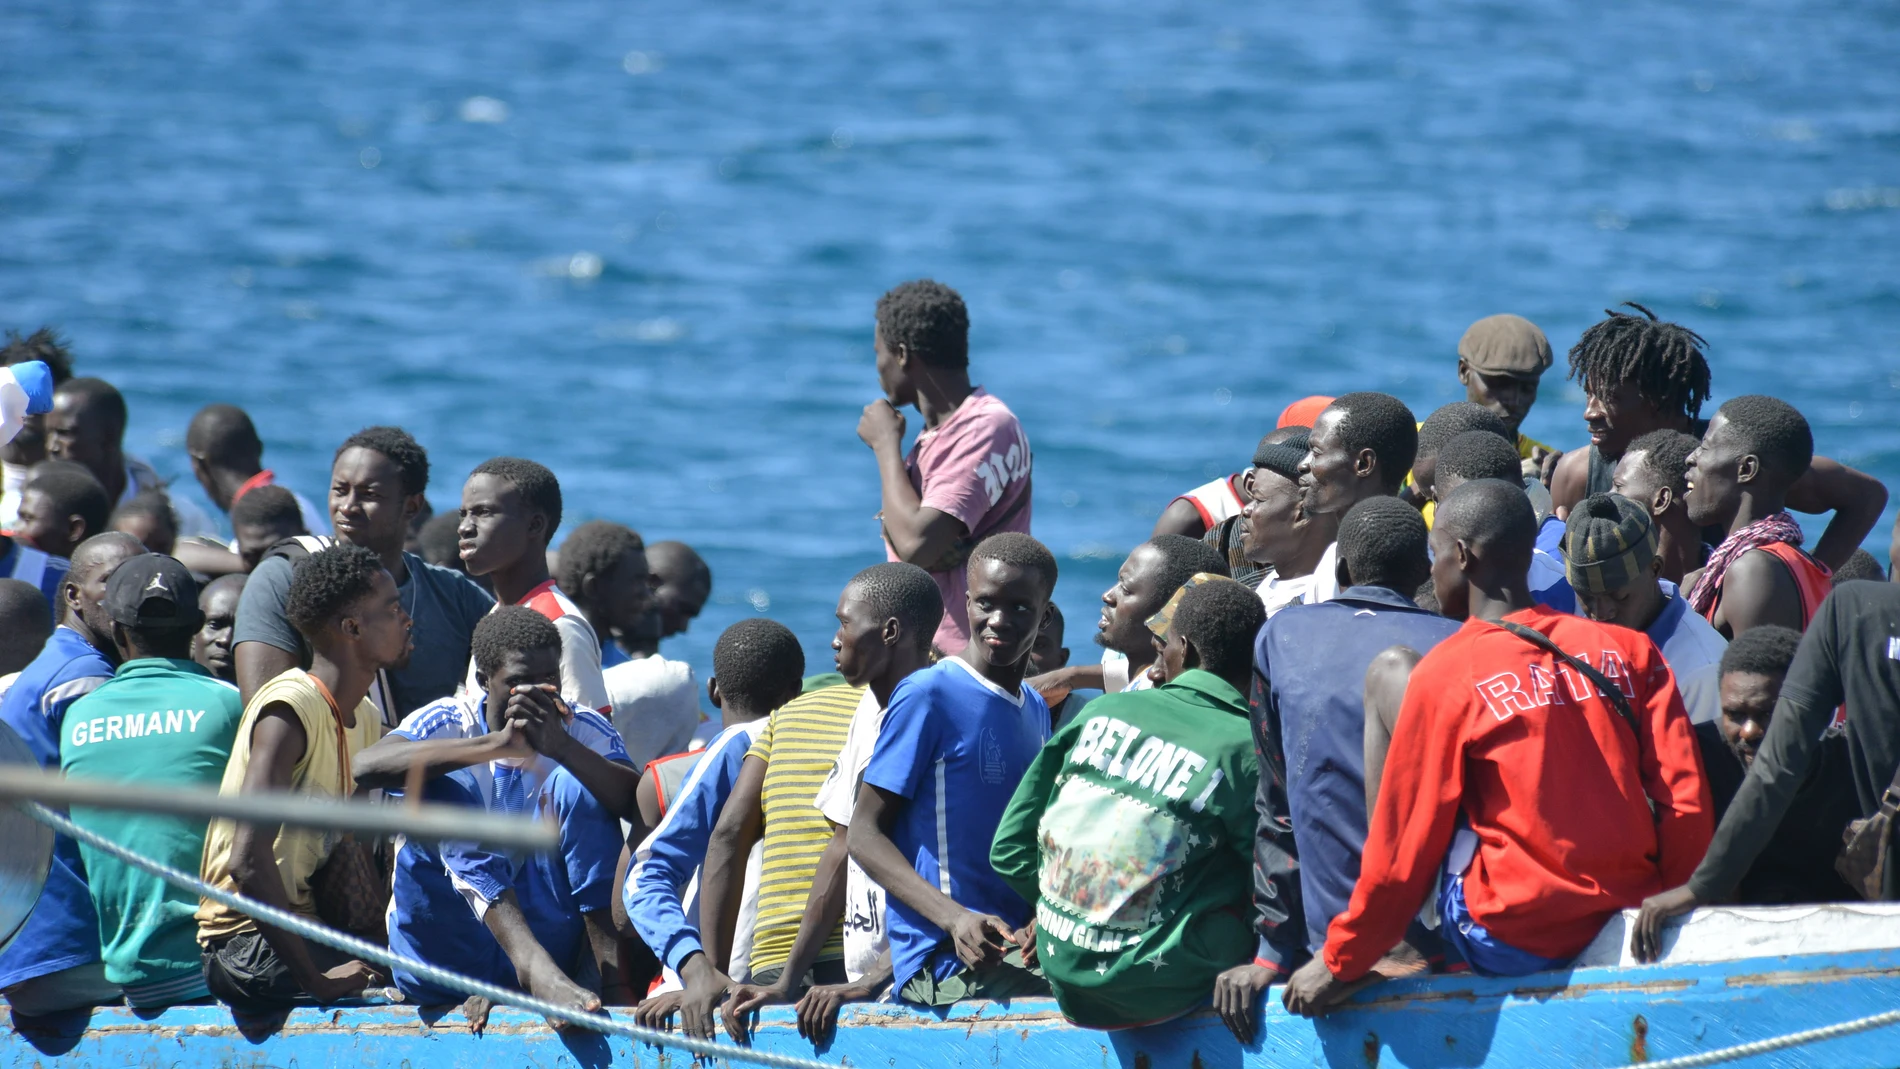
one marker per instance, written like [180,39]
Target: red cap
[1303,412]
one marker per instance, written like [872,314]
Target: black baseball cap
[153,592]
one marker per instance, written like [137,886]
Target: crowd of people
[1397,696]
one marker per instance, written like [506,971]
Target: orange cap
[1303,412]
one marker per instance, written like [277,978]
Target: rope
[367,951]
[1768,1046]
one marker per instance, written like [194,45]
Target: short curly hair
[1767,650]
[1384,543]
[1220,621]
[759,663]
[929,319]
[511,629]
[44,345]
[1478,455]
[534,482]
[325,584]
[904,592]
[1450,421]
[1666,457]
[1379,422]
[267,506]
[149,503]
[72,490]
[1021,551]
[594,548]
[1183,558]
[1773,430]
[400,447]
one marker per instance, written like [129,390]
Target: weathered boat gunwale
[1600,1016]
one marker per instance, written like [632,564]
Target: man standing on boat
[1548,847]
[967,476]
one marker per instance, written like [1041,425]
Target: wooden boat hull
[1608,1015]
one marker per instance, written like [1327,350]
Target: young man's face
[898,389]
[1509,396]
[1270,518]
[1748,703]
[1715,485]
[1172,656]
[1006,606]
[1449,584]
[625,593]
[1621,417]
[254,540]
[367,503]
[678,596]
[520,668]
[211,646]
[42,526]
[1328,481]
[858,647]
[1048,653]
[382,627]
[1634,605]
[1126,606]
[83,433]
[1633,479]
[155,533]
[498,528]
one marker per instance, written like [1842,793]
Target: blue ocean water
[642,241]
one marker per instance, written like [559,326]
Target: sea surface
[641,241]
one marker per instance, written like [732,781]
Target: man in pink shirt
[967,475]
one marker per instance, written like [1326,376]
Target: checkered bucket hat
[1609,542]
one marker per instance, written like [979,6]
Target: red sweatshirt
[1551,783]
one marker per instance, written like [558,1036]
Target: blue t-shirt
[29,565]
[63,930]
[662,889]
[441,890]
[955,745]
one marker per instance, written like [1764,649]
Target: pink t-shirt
[974,466]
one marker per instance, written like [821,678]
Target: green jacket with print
[1132,833]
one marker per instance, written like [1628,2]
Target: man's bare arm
[722,873]
[980,938]
[1856,499]
[1182,518]
[1386,678]
[256,664]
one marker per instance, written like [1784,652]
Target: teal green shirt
[156,721]
[1132,832]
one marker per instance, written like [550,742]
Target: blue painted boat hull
[1608,1016]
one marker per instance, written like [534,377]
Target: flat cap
[1505,345]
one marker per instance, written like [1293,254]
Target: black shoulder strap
[1610,691]
[297,548]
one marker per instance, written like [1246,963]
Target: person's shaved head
[1492,515]
[223,434]
[26,622]
[1482,538]
[82,593]
[681,584]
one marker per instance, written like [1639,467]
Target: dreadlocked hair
[44,345]
[1665,361]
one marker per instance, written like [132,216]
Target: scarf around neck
[1768,530]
